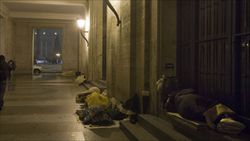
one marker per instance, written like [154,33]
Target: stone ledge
[198,131]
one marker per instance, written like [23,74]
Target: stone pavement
[42,109]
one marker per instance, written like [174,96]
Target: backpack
[12,65]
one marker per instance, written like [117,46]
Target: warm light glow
[56,33]
[44,33]
[87,24]
[80,23]
[58,55]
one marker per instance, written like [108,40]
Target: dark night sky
[47,44]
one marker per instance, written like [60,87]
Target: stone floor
[41,108]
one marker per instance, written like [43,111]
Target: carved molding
[33,15]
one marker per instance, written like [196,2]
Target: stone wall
[119,57]
[23,29]
[162,45]
[95,40]
[3,10]
[139,45]
[84,47]
[6,44]
[112,43]
[83,55]
[153,55]
[167,38]
[136,50]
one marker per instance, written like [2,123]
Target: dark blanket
[188,104]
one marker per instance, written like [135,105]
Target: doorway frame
[47,26]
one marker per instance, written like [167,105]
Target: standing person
[11,67]
[3,77]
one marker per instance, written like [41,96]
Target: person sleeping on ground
[198,108]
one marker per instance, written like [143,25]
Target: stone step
[190,129]
[199,132]
[135,132]
[161,129]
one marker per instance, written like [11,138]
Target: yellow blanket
[213,113]
[97,99]
[226,124]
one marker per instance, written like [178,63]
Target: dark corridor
[213,50]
